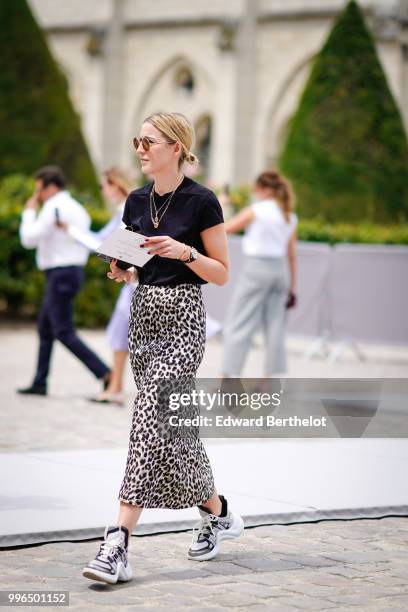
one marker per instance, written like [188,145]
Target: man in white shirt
[63,261]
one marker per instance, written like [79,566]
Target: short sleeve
[258,209]
[211,212]
[126,216]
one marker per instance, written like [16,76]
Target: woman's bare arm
[292,262]
[239,221]
[214,268]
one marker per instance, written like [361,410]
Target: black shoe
[33,390]
[106,380]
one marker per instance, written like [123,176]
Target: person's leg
[46,340]
[117,337]
[66,283]
[275,321]
[214,504]
[116,379]
[129,515]
[243,319]
[46,344]
[44,351]
[113,392]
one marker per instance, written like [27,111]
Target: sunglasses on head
[148,142]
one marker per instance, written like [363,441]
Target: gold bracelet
[184,250]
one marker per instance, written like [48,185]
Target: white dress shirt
[269,233]
[55,248]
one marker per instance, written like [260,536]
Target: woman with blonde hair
[183,224]
[265,288]
[116,186]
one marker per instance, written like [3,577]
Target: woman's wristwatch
[193,255]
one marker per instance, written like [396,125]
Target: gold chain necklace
[154,211]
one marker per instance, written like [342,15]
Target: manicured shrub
[21,284]
[346,151]
[37,121]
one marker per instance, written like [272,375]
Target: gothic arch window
[282,108]
[203,129]
[272,158]
[184,79]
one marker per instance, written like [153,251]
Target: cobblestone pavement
[332,565]
[66,420]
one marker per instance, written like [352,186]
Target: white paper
[124,245]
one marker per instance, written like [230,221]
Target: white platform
[54,496]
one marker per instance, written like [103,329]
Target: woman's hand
[33,202]
[165,247]
[291,300]
[120,276]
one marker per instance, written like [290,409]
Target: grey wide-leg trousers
[258,302]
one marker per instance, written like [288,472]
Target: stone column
[224,125]
[245,93]
[404,82]
[403,20]
[111,127]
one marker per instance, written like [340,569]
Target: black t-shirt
[193,209]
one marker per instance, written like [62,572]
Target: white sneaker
[111,564]
[211,530]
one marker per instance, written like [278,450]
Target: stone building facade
[236,68]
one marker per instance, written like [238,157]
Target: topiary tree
[346,151]
[37,121]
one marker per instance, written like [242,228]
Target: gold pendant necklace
[154,212]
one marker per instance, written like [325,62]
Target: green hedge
[346,151]
[318,231]
[38,123]
[21,284]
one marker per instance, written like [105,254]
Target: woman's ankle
[114,389]
[215,506]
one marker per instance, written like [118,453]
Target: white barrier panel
[310,317]
[369,293]
[352,292]
[313,266]
[218,298]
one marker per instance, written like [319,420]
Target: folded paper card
[124,245]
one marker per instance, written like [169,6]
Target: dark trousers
[55,322]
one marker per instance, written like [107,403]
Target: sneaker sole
[234,532]
[123,575]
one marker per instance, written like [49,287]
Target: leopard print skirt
[166,341]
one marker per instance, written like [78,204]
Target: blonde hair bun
[175,127]
[192,158]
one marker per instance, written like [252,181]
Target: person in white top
[63,260]
[266,287]
[116,186]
